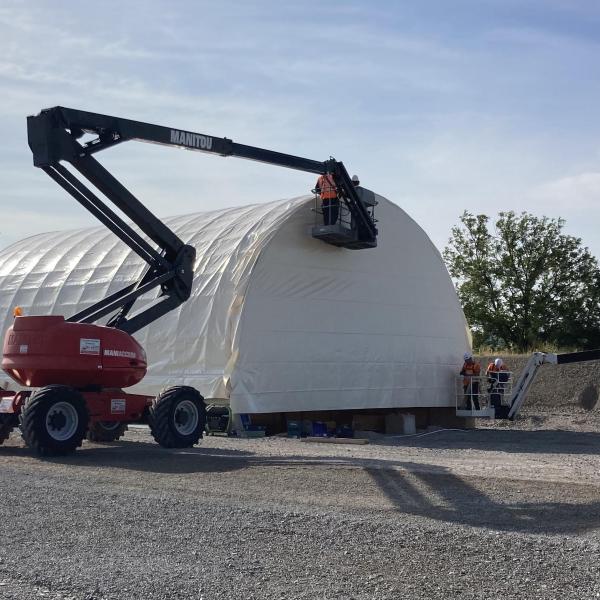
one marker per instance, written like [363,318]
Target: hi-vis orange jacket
[492,368]
[326,187]
[469,370]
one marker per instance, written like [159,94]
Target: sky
[479,105]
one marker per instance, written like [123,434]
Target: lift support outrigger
[79,366]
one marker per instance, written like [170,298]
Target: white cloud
[575,194]
[436,119]
[540,39]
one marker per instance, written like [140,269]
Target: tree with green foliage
[525,284]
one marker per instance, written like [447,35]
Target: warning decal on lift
[89,347]
[6,405]
[117,407]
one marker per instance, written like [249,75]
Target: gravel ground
[481,514]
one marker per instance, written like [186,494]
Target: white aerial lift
[510,409]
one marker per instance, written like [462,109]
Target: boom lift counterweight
[79,366]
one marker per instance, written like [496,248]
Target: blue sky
[440,106]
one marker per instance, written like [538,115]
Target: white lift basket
[480,395]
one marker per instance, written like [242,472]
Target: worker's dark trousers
[496,395]
[496,389]
[331,210]
[472,395]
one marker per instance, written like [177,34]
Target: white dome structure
[277,321]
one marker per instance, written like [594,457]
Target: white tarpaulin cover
[277,321]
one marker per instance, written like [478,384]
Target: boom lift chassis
[80,367]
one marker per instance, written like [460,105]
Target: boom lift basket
[483,396]
[345,232]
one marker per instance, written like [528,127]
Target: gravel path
[483,514]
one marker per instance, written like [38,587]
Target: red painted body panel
[106,406]
[115,405]
[40,351]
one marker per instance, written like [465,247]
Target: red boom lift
[80,368]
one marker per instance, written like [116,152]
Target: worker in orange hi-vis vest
[470,372]
[330,203]
[497,377]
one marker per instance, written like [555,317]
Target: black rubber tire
[7,423]
[34,427]
[164,414]
[105,431]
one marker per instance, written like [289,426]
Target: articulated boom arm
[53,139]
[536,360]
[55,136]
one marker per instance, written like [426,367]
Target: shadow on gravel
[145,457]
[514,441]
[418,489]
[436,493]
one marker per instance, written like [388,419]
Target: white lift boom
[527,377]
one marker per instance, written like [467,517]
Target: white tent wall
[193,344]
[325,328]
[276,320]
[64,272]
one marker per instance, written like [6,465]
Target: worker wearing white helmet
[496,366]
[330,204]
[497,377]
